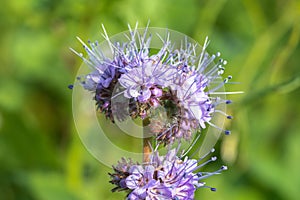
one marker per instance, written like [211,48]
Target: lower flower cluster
[164,177]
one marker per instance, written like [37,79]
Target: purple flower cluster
[165,177]
[181,81]
[178,79]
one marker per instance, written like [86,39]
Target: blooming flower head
[179,79]
[137,79]
[165,177]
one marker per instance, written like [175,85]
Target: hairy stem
[146,144]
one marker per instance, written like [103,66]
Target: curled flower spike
[165,177]
[180,80]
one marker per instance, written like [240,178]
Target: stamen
[237,92]
[211,188]
[200,67]
[70,86]
[227,132]
[212,159]
[228,102]
[223,113]
[191,146]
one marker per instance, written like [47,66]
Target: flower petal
[145,95]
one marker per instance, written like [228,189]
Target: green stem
[146,144]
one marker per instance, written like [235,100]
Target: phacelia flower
[164,177]
[180,80]
[138,78]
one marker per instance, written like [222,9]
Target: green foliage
[40,153]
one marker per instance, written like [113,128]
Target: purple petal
[145,95]
[132,182]
[149,171]
[106,82]
[156,92]
[132,91]
[139,193]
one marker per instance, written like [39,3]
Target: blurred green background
[41,156]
